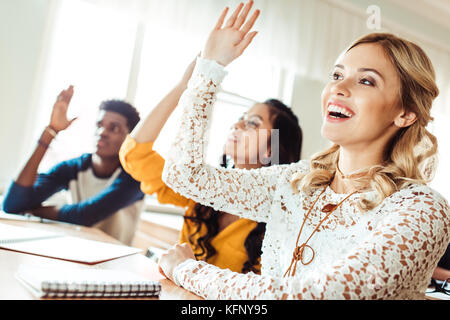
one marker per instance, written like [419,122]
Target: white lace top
[389,252]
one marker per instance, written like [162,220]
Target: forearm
[47,212]
[27,176]
[88,212]
[247,193]
[441,274]
[196,102]
[376,269]
[149,129]
[185,160]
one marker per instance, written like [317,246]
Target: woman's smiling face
[360,104]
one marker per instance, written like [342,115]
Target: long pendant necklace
[299,249]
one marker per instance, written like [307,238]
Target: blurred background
[138,49]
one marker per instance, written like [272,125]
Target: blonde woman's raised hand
[227,42]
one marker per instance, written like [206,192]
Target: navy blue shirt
[123,192]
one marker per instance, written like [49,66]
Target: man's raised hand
[58,119]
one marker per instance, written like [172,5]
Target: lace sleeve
[243,192]
[397,258]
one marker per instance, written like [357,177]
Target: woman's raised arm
[149,129]
[243,192]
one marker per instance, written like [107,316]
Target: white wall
[306,104]
[22,24]
[404,15]
[306,93]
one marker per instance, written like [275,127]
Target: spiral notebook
[60,246]
[44,282]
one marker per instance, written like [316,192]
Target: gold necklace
[299,249]
[350,175]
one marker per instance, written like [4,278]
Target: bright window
[91,49]
[111,55]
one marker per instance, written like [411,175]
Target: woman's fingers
[224,43]
[243,16]
[161,271]
[221,19]
[249,25]
[246,41]
[232,19]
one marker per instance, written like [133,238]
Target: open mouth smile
[338,113]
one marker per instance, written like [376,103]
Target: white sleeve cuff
[177,271]
[208,70]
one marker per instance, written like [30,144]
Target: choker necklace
[350,175]
[299,249]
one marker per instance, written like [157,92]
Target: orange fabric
[146,165]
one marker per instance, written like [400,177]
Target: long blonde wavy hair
[410,157]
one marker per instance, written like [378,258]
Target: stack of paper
[59,245]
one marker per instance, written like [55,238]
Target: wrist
[50,129]
[48,135]
[177,271]
[210,69]
[212,58]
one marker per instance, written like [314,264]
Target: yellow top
[146,165]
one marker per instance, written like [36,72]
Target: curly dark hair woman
[282,119]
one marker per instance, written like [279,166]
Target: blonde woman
[355,222]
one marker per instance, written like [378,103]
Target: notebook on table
[59,245]
[44,282]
